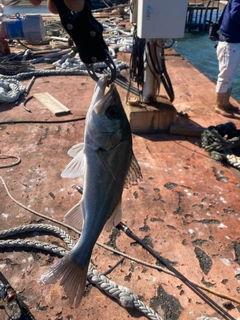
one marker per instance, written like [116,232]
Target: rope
[10,89]
[220,147]
[34,245]
[15,67]
[47,228]
[44,73]
[126,297]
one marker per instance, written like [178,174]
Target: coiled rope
[10,89]
[223,143]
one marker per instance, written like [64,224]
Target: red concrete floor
[186,206]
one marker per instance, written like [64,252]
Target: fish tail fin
[73,278]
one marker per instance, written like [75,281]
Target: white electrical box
[161,18]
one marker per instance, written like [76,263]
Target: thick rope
[45,73]
[18,243]
[10,89]
[220,147]
[47,228]
[125,296]
[15,67]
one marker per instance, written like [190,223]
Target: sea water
[201,52]
[195,47]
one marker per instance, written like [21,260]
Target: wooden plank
[52,104]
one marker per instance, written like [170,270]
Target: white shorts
[228,55]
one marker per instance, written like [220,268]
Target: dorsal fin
[134,173]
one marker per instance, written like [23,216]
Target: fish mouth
[99,106]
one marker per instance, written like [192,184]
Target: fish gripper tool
[87,34]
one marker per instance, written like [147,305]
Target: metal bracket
[86,32]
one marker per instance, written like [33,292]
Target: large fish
[107,162]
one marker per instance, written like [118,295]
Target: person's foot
[230,108]
[224,112]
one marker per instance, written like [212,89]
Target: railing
[201,13]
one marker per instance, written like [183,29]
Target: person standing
[228,54]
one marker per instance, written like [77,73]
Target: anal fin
[74,217]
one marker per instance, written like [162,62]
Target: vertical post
[151,78]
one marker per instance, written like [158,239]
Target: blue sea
[200,52]
[195,47]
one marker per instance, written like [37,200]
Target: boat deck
[186,207]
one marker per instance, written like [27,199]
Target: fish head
[106,123]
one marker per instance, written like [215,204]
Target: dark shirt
[230,26]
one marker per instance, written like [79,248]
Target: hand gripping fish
[108,164]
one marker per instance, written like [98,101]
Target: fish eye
[112,112]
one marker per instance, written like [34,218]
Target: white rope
[10,90]
[75,64]
[33,244]
[126,297]
[233,160]
[40,227]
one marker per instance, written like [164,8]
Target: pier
[200,14]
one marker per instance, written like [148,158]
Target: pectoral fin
[74,217]
[134,172]
[76,167]
[74,150]
[115,218]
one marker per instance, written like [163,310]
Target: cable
[41,121]
[163,72]
[6,156]
[136,59]
[155,63]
